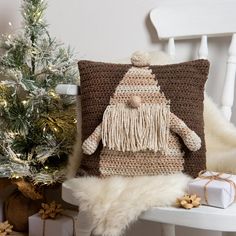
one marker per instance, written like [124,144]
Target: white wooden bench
[187,20]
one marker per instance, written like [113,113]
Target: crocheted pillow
[139,119]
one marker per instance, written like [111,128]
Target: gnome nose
[135,101]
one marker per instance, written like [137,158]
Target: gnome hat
[140,82]
[137,117]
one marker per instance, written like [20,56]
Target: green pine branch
[37,125]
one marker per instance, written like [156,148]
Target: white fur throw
[220,138]
[115,202]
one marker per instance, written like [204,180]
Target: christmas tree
[37,126]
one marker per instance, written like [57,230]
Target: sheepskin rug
[220,138]
[115,202]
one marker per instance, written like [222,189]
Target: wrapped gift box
[214,189]
[63,225]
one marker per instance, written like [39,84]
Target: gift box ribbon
[213,177]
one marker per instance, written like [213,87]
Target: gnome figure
[138,131]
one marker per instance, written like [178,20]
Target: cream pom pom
[140,59]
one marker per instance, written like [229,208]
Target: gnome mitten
[190,138]
[90,145]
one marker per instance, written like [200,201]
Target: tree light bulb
[55,129]
[44,129]
[12,134]
[52,93]
[15,176]
[3,102]
[24,102]
[9,36]
[9,23]
[46,167]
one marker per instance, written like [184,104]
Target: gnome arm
[91,143]
[190,138]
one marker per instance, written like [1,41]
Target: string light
[3,102]
[55,129]
[24,102]
[15,176]
[10,24]
[46,167]
[52,68]
[12,134]
[53,94]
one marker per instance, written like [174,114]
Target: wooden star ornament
[5,228]
[188,201]
[50,211]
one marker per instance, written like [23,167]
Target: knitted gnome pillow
[137,134]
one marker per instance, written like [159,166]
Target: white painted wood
[203,49]
[194,18]
[171,48]
[228,90]
[204,217]
[67,89]
[167,229]
[67,191]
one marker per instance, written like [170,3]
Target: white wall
[112,29]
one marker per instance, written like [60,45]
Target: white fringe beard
[136,129]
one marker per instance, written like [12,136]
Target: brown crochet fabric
[182,83]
